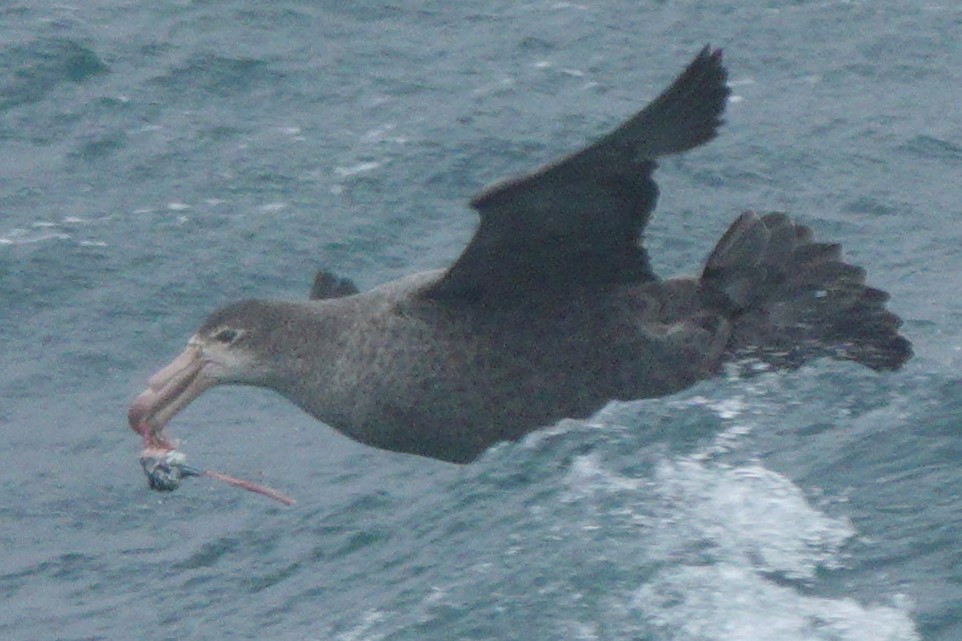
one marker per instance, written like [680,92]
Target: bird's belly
[450,388]
[455,403]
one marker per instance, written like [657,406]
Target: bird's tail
[791,298]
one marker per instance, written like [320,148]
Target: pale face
[214,356]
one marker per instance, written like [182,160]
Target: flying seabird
[551,311]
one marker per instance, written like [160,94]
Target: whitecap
[359,168]
[366,629]
[726,408]
[26,237]
[733,551]
[587,476]
[378,134]
[729,602]
[745,515]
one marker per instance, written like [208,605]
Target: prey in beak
[220,352]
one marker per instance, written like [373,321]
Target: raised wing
[578,221]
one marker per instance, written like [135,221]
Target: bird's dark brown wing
[578,221]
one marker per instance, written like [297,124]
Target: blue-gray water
[160,159]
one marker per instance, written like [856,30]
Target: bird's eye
[226,335]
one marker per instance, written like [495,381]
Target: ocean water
[162,159]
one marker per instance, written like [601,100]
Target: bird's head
[229,348]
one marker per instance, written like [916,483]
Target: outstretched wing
[578,221]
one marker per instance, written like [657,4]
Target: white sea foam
[730,602]
[20,236]
[743,515]
[366,629]
[733,547]
[359,168]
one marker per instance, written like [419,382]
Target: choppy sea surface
[162,159]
